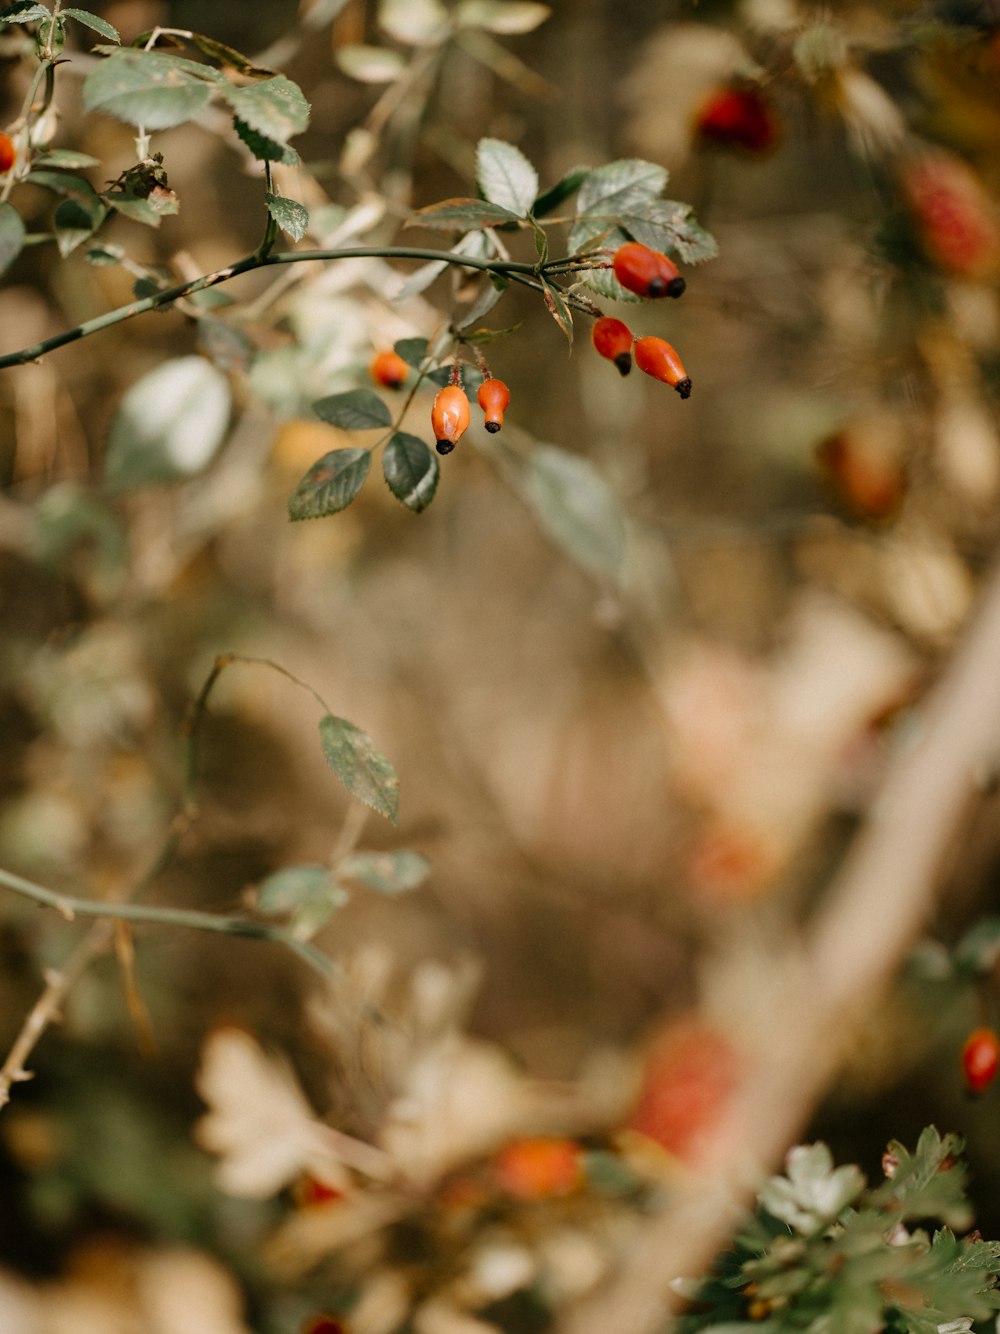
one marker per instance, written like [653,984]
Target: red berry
[690,1078]
[957,220]
[869,478]
[537,1169]
[8,153]
[646,272]
[450,417]
[389,369]
[980,1059]
[657,358]
[493,398]
[613,340]
[737,118]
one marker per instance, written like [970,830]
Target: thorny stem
[516,271]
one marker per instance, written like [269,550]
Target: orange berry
[613,340]
[310,1191]
[539,1169]
[869,478]
[646,272]
[657,358]
[980,1059]
[389,370]
[737,118]
[493,398]
[690,1077]
[450,417]
[8,153]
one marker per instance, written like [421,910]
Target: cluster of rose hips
[450,413]
[648,273]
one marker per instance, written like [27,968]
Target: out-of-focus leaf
[274,108]
[387,872]
[575,507]
[63,183]
[505,175]
[355,410]
[412,350]
[227,57]
[161,202]
[462,215]
[287,889]
[506,17]
[411,471]
[330,484]
[364,771]
[412,22]
[290,215]
[12,235]
[23,11]
[229,347]
[149,88]
[979,948]
[370,64]
[65,159]
[92,21]
[169,424]
[105,255]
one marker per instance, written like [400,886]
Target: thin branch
[70,907]
[827,987]
[518,272]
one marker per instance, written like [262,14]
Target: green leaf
[505,176]
[609,191]
[665,224]
[12,235]
[24,11]
[64,159]
[562,190]
[148,88]
[506,17]
[227,56]
[286,889]
[64,183]
[370,64]
[355,410]
[274,108]
[558,309]
[411,471]
[363,770]
[412,350]
[290,216]
[89,20]
[105,255]
[263,148]
[462,215]
[575,507]
[169,424]
[386,872]
[227,346]
[330,484]
[75,222]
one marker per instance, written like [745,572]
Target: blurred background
[627,788]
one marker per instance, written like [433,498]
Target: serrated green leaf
[91,21]
[285,890]
[462,215]
[505,176]
[364,771]
[412,350]
[813,1192]
[75,222]
[12,234]
[330,484]
[505,17]
[370,64]
[263,148]
[665,224]
[575,506]
[411,471]
[169,424]
[148,88]
[274,108]
[64,183]
[24,11]
[617,186]
[386,872]
[290,215]
[150,209]
[355,410]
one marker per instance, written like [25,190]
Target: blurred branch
[70,907]
[829,984]
[512,269]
